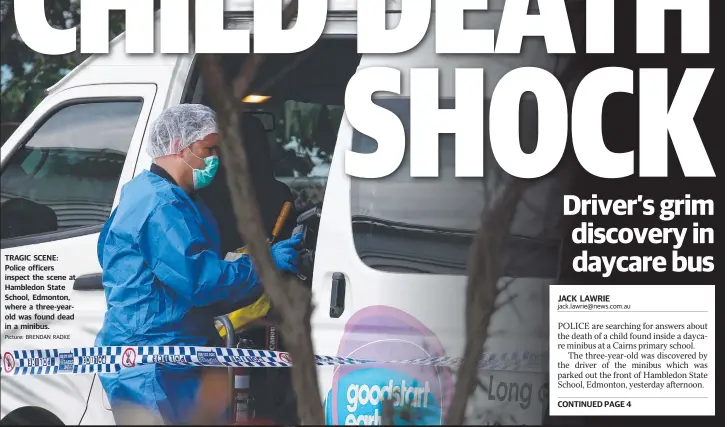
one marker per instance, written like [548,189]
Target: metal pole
[230,343]
[387,412]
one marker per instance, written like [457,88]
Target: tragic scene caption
[35,296]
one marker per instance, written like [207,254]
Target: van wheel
[31,416]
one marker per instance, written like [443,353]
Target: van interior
[291,118]
[294,110]
[290,121]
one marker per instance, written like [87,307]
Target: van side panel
[397,306]
[98,130]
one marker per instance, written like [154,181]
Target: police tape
[92,360]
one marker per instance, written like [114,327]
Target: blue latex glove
[285,253]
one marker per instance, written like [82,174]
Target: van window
[304,149]
[65,177]
[426,225]
[302,113]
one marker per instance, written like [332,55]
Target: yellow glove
[259,308]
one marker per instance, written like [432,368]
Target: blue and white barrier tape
[113,359]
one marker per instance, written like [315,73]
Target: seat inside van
[271,194]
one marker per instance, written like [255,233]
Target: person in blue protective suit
[163,272]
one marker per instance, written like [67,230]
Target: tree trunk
[484,265]
[291,299]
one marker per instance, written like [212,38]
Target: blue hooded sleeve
[177,251]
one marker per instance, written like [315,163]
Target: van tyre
[31,416]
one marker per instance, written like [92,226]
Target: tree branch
[7,26]
[484,267]
[291,300]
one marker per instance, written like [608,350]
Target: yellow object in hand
[240,318]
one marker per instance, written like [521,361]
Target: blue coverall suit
[162,274]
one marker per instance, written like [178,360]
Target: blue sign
[420,394]
[360,395]
[66,362]
[207,358]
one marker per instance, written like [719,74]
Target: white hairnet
[178,127]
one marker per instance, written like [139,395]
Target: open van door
[390,270]
[62,172]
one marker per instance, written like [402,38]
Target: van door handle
[88,282]
[338,295]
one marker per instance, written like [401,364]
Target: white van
[398,245]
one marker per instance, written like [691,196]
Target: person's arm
[176,250]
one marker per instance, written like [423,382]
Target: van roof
[347,5]
[333,5]
[117,57]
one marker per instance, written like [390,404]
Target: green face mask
[203,177]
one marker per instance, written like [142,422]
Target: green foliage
[31,72]
[314,127]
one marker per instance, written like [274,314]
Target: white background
[652,304]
